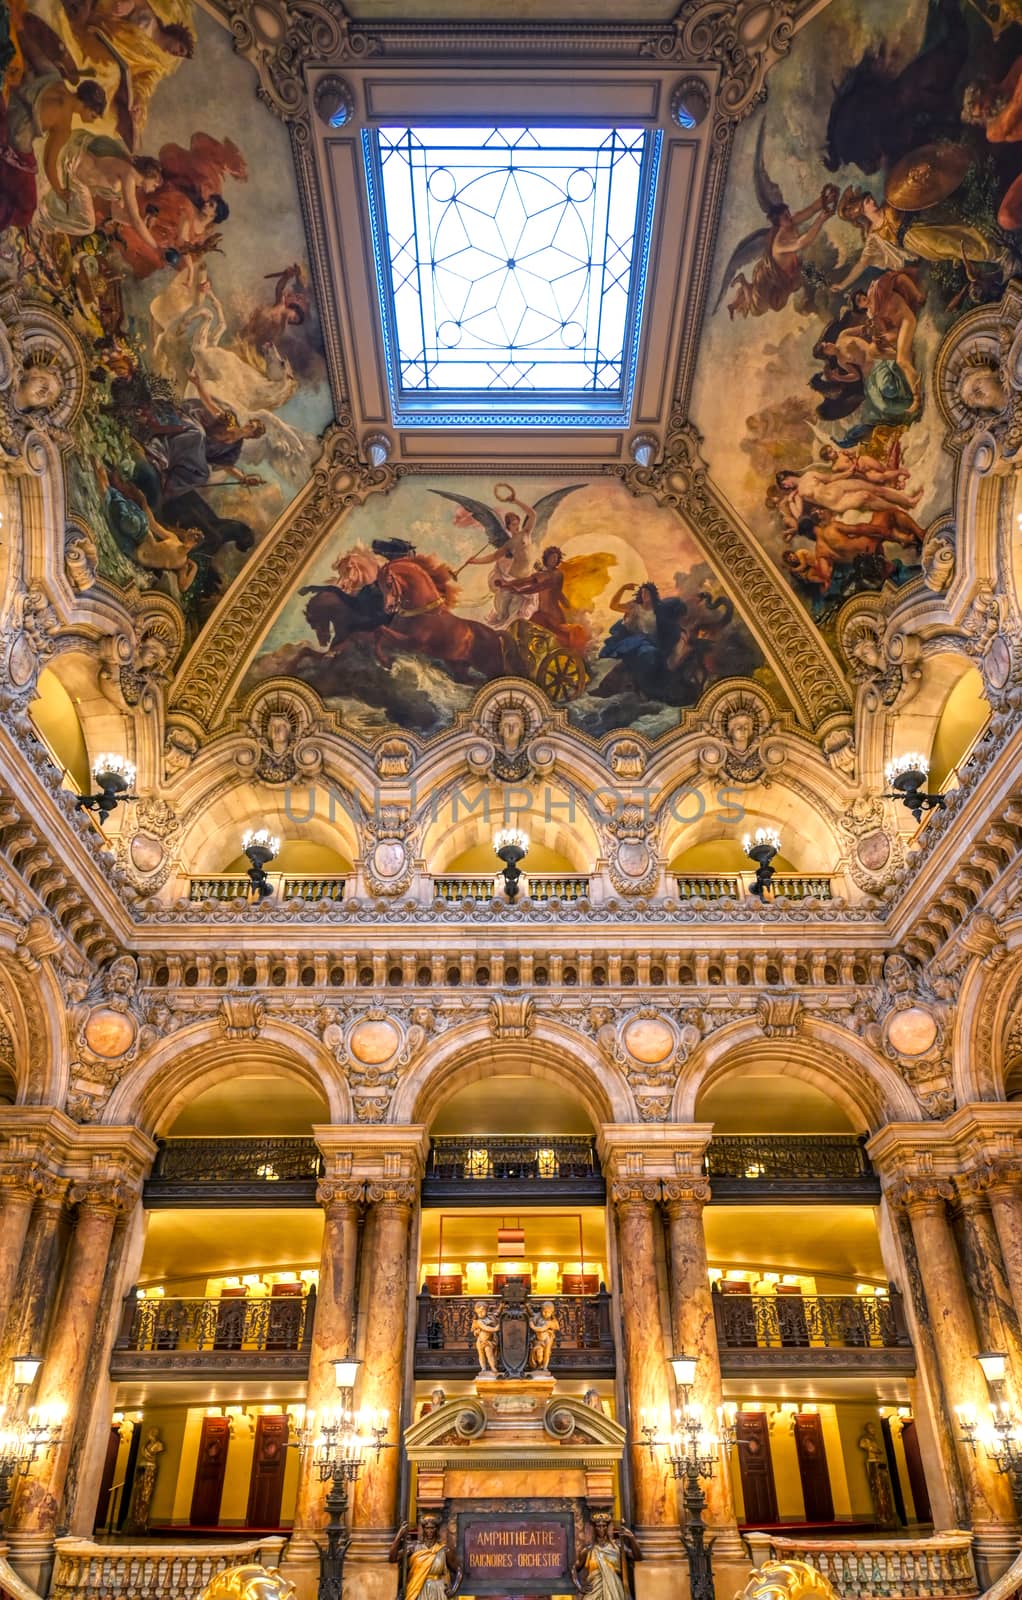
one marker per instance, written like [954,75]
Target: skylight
[511,264]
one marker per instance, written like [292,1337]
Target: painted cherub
[485,1326]
[545,1327]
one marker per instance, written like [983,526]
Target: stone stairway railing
[88,1571]
[1009,1585]
[10,1583]
[881,1569]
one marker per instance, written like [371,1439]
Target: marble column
[36,1510]
[988,1493]
[19,1186]
[695,1334]
[35,1281]
[647,1388]
[996,1317]
[331,1341]
[383,1360]
[1003,1182]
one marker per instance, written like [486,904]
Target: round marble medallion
[649,1040]
[109,1033]
[911,1032]
[373,1042]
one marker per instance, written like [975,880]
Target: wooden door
[756,1469]
[269,1460]
[812,1468]
[106,1482]
[916,1475]
[209,1472]
[285,1316]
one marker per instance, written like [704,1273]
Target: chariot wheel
[562,675]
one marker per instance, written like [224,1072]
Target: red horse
[419,591]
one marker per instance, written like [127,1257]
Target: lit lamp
[905,776]
[511,846]
[23,1442]
[692,1453]
[761,847]
[1001,1437]
[25,1369]
[115,776]
[346,1372]
[260,845]
[338,1444]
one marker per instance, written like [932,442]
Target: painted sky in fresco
[385,641]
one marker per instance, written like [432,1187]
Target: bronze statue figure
[601,1569]
[429,1568]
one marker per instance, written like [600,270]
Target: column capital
[635,1192]
[1002,1174]
[25,1179]
[105,1196]
[683,1194]
[332,1192]
[921,1194]
[392,1194]
[972,1188]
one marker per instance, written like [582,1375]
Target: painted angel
[774,252]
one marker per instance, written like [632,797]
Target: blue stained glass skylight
[511,266]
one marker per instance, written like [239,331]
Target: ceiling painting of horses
[601,599]
[868,205]
[150,199]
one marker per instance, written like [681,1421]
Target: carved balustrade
[189,1172]
[444,1341]
[543,1167]
[880,1569]
[733,885]
[548,886]
[88,1571]
[767,1332]
[256,1335]
[285,886]
[757,1165]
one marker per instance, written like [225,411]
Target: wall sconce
[25,1369]
[905,776]
[511,846]
[115,776]
[761,847]
[994,1364]
[260,845]
[345,1373]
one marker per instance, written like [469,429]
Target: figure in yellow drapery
[431,1570]
[601,1569]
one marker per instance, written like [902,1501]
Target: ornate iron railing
[257,1170]
[482,887]
[796,1321]
[733,885]
[444,1342]
[747,1165]
[263,1335]
[545,1159]
[285,886]
[868,1568]
[88,1571]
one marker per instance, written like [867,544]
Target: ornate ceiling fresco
[202,243]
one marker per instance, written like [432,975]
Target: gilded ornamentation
[392,1194]
[635,1192]
[685,1192]
[787,1580]
[336,1192]
[250,1582]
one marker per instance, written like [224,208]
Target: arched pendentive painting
[148,196]
[602,599]
[874,198]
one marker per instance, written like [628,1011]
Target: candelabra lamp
[692,1453]
[761,847]
[338,1444]
[511,846]
[260,845]
[115,777]
[21,1445]
[905,777]
[1001,1436]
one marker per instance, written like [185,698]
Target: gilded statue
[545,1328]
[429,1567]
[485,1327]
[601,1570]
[250,1582]
[787,1580]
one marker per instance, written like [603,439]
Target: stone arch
[183,1065]
[988,1000]
[803,813]
[923,723]
[867,1089]
[555,814]
[212,837]
[552,1051]
[32,1009]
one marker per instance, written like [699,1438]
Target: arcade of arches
[442,532]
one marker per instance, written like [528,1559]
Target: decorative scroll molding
[279,37]
[340,480]
[798,655]
[745,38]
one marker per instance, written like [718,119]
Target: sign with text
[526,1554]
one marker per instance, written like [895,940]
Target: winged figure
[775,252]
[512,539]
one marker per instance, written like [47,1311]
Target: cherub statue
[485,1327]
[545,1327]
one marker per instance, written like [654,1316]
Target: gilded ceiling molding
[340,479]
[797,653]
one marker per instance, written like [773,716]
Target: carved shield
[514,1340]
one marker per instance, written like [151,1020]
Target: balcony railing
[758,1166]
[285,886]
[444,1344]
[88,1571]
[466,1169]
[880,1569]
[484,887]
[735,885]
[836,1332]
[256,1171]
[257,1337]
